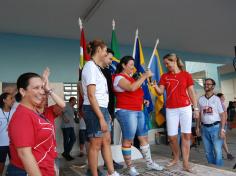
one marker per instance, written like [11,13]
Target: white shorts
[176,117]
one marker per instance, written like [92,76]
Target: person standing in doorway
[67,126]
[212,118]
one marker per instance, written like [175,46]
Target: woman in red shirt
[32,136]
[129,104]
[180,95]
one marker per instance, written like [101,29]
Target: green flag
[115,46]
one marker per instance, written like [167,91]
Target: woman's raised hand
[45,76]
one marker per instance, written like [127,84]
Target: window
[70,90]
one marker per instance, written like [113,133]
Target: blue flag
[139,65]
[156,68]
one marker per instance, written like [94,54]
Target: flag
[156,68]
[114,45]
[84,56]
[115,48]
[139,63]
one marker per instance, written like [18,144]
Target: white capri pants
[179,116]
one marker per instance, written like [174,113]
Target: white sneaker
[133,171]
[115,174]
[154,166]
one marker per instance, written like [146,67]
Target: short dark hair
[109,50]
[212,80]
[219,95]
[72,99]
[124,60]
[23,81]
[3,96]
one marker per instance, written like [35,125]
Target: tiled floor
[161,154]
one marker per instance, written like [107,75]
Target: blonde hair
[180,64]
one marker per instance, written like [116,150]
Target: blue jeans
[212,144]
[131,123]
[15,171]
[68,139]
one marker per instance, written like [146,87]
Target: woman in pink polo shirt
[179,87]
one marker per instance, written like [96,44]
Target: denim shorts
[131,123]
[93,127]
[15,171]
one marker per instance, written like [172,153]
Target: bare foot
[171,163]
[189,169]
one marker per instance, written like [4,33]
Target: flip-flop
[169,164]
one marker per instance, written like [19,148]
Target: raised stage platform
[162,154]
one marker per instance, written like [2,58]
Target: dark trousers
[15,171]
[69,139]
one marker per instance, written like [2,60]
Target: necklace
[7,116]
[42,116]
[100,70]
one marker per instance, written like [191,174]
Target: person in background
[95,105]
[67,126]
[53,111]
[231,111]
[179,87]
[129,104]
[212,119]
[6,112]
[32,136]
[225,145]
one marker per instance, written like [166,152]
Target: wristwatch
[196,109]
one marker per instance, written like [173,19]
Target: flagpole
[80,24]
[135,39]
[81,28]
[157,42]
[113,24]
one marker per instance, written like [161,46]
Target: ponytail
[93,45]
[180,64]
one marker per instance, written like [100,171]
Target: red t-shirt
[50,115]
[28,129]
[176,88]
[130,100]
